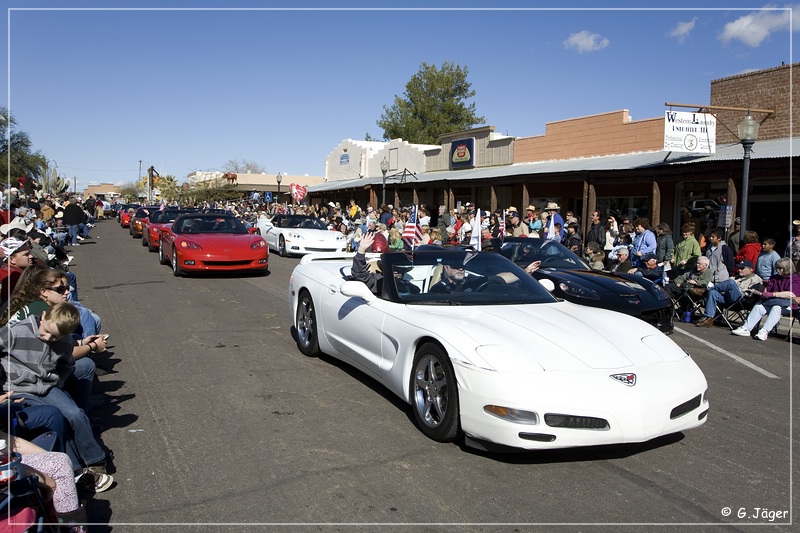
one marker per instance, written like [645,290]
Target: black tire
[434,394]
[161,259]
[150,247]
[306,326]
[176,270]
[144,242]
[281,246]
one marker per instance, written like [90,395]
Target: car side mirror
[357,289]
[252,230]
[548,284]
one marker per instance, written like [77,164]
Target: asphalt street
[214,417]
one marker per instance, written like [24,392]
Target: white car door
[353,328]
[268,231]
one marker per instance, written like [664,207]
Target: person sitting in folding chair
[695,282]
[729,291]
[777,299]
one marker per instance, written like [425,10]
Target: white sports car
[478,346]
[300,234]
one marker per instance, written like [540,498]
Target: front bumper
[201,262]
[667,398]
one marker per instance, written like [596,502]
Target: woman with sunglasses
[42,287]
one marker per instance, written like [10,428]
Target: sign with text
[462,153]
[690,132]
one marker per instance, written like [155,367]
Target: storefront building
[606,161]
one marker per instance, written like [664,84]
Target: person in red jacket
[751,248]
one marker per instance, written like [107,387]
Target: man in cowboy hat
[553,219]
[17,223]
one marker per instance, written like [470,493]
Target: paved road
[215,417]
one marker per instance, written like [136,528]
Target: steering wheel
[491,281]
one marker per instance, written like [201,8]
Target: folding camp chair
[736,311]
[688,301]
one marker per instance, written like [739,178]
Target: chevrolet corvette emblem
[625,379]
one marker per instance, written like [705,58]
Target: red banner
[298,192]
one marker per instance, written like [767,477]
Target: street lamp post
[748,134]
[384,169]
[278,178]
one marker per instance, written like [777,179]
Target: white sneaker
[741,331]
[761,335]
[80,238]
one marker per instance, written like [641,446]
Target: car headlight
[258,244]
[517,416]
[294,235]
[578,291]
[340,238]
[189,245]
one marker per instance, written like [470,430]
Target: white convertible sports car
[300,234]
[478,346]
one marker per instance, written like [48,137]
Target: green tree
[131,191]
[433,104]
[212,190]
[17,157]
[168,187]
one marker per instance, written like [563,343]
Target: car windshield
[459,278]
[300,221]
[145,212]
[552,254]
[196,223]
[168,216]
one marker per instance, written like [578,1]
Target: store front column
[656,204]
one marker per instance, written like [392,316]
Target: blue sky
[186,90]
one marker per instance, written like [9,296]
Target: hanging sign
[690,132]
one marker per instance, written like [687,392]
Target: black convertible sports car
[575,282]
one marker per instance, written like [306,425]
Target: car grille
[575,422]
[309,249]
[227,263]
[685,407]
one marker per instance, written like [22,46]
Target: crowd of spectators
[48,340]
[700,261]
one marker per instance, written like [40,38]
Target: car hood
[599,281]
[554,337]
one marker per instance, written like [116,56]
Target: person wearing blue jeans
[37,357]
[728,291]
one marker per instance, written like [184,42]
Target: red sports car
[139,220]
[126,215]
[151,234]
[199,242]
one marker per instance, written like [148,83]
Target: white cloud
[754,28]
[585,41]
[682,30]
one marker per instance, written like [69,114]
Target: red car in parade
[202,242]
[139,220]
[151,234]
[126,213]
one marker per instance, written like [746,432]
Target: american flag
[412,233]
[503,225]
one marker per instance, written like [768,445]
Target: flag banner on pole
[503,225]
[412,232]
[551,228]
[475,239]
